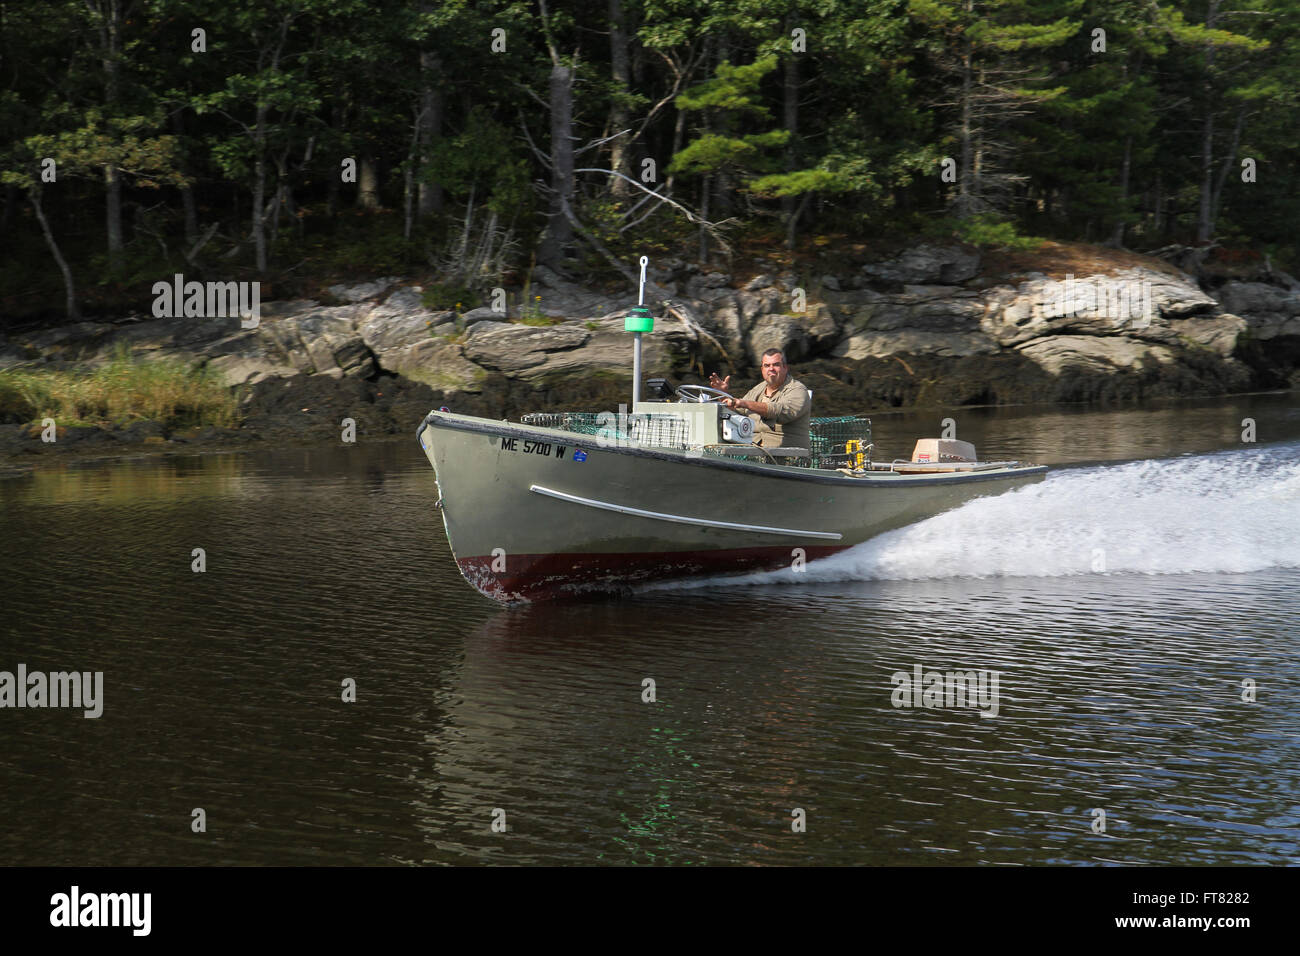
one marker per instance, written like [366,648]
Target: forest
[299,141]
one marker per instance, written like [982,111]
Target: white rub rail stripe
[681,519]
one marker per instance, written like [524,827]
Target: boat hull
[538,513]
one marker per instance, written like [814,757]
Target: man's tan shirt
[788,413]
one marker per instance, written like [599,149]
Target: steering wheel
[698,393]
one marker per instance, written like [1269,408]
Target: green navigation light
[639,320]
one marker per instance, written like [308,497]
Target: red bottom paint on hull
[543,577]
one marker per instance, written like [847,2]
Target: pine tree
[982,50]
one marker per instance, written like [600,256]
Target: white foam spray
[1230,512]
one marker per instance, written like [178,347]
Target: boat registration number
[533,447]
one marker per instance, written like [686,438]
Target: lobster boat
[566,504]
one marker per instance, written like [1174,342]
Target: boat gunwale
[470,423]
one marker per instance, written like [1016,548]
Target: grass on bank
[169,392]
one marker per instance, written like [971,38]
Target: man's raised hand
[718,383]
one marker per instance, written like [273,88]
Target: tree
[1219,47]
[727,97]
[86,152]
[981,49]
[264,95]
[107,18]
[558,235]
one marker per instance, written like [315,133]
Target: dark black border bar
[920,907]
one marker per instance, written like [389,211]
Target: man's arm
[747,404]
[757,408]
[783,408]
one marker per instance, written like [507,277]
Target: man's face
[774,369]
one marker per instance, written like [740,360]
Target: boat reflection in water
[636,754]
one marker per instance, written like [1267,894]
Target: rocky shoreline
[935,325]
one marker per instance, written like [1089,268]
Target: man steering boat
[779,405]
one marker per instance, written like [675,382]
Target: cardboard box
[934,450]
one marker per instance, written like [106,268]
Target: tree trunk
[619,119]
[113,204]
[70,290]
[335,175]
[408,175]
[259,189]
[408,199]
[679,133]
[430,193]
[11,200]
[1205,216]
[187,192]
[1158,216]
[274,212]
[332,194]
[559,231]
[790,207]
[1126,166]
[1229,158]
[367,184]
[794,220]
[282,200]
[965,175]
[1204,226]
[718,124]
[1117,234]
[111,33]
[704,214]
[979,190]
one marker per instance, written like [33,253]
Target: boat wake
[1229,512]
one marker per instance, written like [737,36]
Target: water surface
[1122,602]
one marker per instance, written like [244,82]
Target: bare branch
[710,227]
[599,142]
[542,157]
[643,201]
[546,33]
[541,102]
[637,222]
[655,294]
[203,241]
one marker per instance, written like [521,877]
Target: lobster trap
[840,441]
[661,431]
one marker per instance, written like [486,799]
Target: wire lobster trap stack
[582,423]
[840,441]
[661,431]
